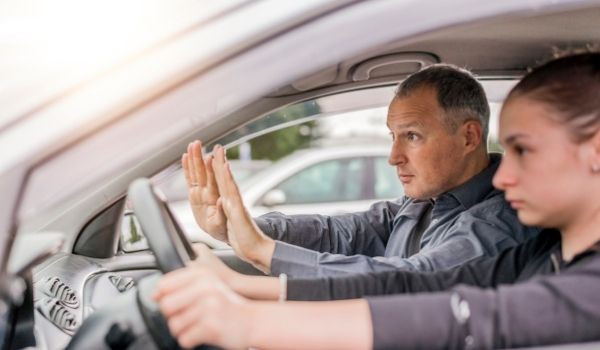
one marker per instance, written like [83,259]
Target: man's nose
[397,155]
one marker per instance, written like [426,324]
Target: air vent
[58,314]
[56,288]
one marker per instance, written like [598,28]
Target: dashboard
[68,288]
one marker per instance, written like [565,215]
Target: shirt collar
[479,186]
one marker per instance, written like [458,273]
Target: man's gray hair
[459,94]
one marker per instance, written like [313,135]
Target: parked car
[95,97]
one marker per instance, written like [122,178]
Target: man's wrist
[262,254]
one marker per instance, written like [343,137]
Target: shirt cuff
[293,260]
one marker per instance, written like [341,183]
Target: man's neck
[473,166]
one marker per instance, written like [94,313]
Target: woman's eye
[519,150]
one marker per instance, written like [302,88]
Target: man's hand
[201,309]
[246,239]
[202,192]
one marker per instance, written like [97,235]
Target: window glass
[318,183]
[329,181]
[353,179]
[387,184]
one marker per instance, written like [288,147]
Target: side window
[387,184]
[329,181]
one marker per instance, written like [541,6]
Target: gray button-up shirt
[468,222]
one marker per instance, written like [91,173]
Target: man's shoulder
[494,200]
[493,205]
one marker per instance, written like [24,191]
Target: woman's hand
[201,309]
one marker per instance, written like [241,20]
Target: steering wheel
[169,244]
[122,324]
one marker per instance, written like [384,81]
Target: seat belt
[414,241]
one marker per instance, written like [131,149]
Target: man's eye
[411,136]
[392,136]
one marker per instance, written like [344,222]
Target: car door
[331,187]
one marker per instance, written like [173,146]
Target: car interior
[83,288]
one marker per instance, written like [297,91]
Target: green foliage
[494,147]
[280,143]
[135,235]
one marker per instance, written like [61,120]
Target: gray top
[468,222]
[527,295]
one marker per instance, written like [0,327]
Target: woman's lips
[516,203]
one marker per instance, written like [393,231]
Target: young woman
[542,292]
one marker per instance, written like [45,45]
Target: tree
[279,143]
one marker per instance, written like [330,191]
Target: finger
[198,163]
[189,317]
[232,188]
[193,335]
[218,164]
[203,254]
[175,280]
[186,169]
[201,249]
[211,183]
[184,298]
[190,166]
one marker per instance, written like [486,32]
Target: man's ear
[472,134]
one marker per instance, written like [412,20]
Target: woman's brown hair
[571,86]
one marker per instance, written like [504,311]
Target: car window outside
[386,181]
[329,181]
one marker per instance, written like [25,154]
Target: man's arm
[355,233]
[475,234]
[484,272]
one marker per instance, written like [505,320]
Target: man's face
[428,157]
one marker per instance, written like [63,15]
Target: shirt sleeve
[544,310]
[475,234]
[484,272]
[355,233]
[485,230]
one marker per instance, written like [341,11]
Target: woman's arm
[201,309]
[304,325]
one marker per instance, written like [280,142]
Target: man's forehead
[405,124]
[413,111]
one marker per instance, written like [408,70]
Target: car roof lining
[517,43]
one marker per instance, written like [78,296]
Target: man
[451,213]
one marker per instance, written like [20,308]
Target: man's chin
[416,195]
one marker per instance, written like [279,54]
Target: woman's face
[543,173]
